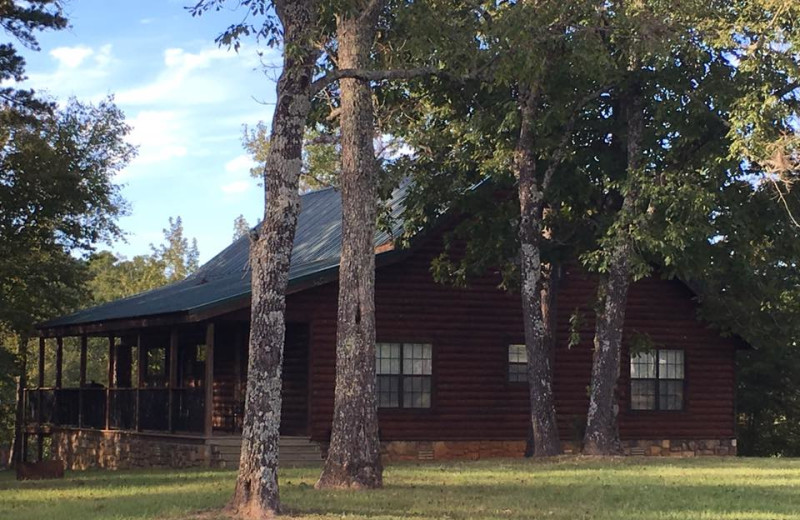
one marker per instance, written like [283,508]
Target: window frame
[401,407]
[657,379]
[509,363]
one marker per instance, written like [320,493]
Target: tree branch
[787,89]
[561,150]
[371,75]
[372,10]
[396,74]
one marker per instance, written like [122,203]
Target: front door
[294,410]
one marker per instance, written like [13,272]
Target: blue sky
[186,100]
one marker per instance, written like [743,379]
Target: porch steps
[292,451]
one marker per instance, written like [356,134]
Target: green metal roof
[226,277]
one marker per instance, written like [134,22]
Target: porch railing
[130,409]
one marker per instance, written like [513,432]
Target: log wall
[470,330]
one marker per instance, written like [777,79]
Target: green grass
[568,489]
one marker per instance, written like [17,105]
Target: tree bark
[256,494]
[602,434]
[19,416]
[531,199]
[354,454]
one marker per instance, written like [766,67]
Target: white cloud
[159,134]
[240,164]
[237,179]
[78,72]
[236,187]
[183,81]
[71,57]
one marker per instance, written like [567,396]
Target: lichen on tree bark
[353,459]
[602,435]
[539,349]
[256,494]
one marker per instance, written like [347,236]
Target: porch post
[39,446]
[140,367]
[209,381]
[41,381]
[82,380]
[59,380]
[59,360]
[173,375]
[110,379]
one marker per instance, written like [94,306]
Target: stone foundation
[446,450]
[680,448]
[475,450]
[83,449]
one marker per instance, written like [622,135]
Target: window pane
[670,395]
[517,372]
[517,354]
[643,395]
[417,359]
[388,391]
[417,392]
[388,358]
[670,364]
[643,365]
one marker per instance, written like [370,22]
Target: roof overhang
[386,254]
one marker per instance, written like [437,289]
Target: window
[657,380]
[517,364]
[404,375]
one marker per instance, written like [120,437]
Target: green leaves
[57,201]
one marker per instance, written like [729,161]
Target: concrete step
[292,451]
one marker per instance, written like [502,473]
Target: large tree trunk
[354,454]
[531,200]
[602,434]
[19,418]
[256,494]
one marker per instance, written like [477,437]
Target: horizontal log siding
[470,330]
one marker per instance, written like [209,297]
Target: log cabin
[450,362]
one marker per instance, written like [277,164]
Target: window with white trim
[657,380]
[517,364]
[404,373]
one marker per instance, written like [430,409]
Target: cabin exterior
[451,372]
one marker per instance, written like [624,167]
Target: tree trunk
[19,418]
[602,434]
[354,454]
[256,494]
[531,200]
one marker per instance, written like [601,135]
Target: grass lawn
[573,489]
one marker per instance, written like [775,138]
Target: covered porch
[182,383]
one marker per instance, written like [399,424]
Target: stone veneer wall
[474,450]
[83,449]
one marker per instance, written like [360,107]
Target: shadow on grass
[560,490]
[524,502]
[110,478]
